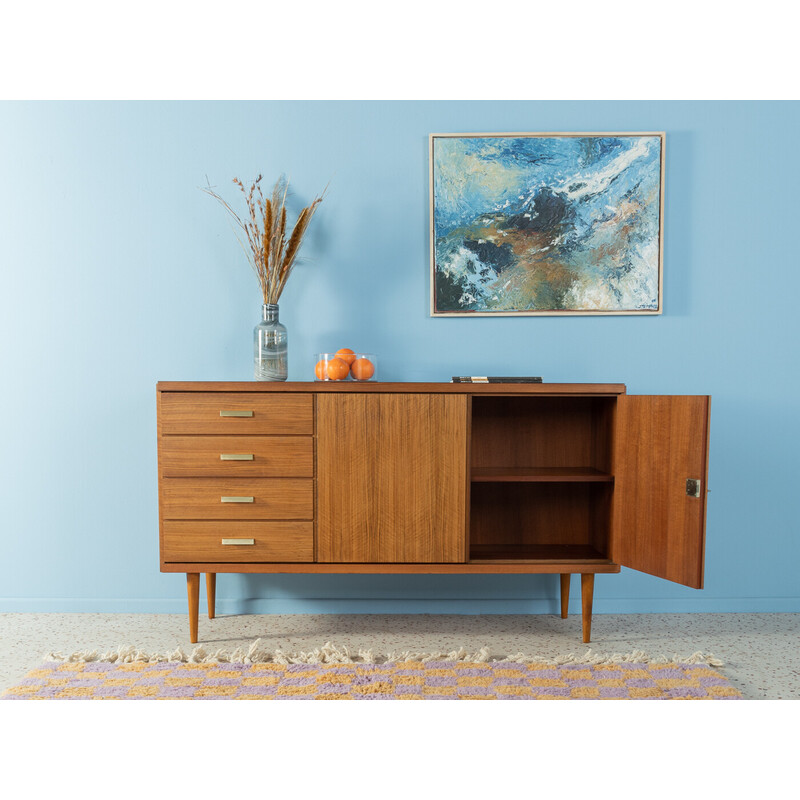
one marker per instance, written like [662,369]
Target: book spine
[485,379]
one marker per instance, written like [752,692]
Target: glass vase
[270,346]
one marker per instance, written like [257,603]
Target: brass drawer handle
[235,456]
[238,541]
[236,413]
[236,499]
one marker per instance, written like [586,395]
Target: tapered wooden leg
[193,590]
[564,594]
[211,592]
[587,593]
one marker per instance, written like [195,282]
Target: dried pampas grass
[271,252]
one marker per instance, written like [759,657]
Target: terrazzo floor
[761,652]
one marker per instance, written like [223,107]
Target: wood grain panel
[387,387]
[273,456]
[536,514]
[658,529]
[273,498]
[199,412]
[493,567]
[201,541]
[391,478]
[563,553]
[533,432]
[540,475]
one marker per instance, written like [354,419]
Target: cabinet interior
[541,478]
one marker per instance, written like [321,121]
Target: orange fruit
[319,370]
[337,369]
[347,355]
[363,369]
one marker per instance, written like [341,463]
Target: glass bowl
[346,366]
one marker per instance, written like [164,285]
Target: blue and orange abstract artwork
[546,223]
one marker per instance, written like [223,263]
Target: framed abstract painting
[546,223]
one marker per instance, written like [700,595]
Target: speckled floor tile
[760,651]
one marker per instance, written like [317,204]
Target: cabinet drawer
[236,412]
[222,456]
[185,540]
[237,498]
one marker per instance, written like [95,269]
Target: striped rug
[330,673]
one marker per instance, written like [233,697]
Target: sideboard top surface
[387,387]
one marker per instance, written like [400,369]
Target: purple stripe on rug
[178,691]
[85,683]
[120,691]
[257,690]
[50,691]
[471,690]
[294,681]
[550,674]
[684,691]
[440,680]
[712,681]
[151,680]
[555,691]
[669,674]
[503,681]
[613,691]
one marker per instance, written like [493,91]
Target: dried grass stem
[271,253]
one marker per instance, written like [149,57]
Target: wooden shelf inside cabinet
[539,475]
[484,553]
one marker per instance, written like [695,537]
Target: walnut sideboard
[430,478]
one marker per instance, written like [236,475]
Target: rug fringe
[329,653]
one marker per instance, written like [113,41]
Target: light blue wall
[118,272]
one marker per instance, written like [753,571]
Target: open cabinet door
[660,451]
